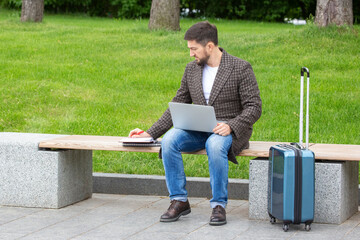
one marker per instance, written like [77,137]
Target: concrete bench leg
[31,177]
[336,190]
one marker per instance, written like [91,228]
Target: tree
[338,12]
[165,14]
[32,10]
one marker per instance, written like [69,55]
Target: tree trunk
[165,14]
[32,10]
[338,12]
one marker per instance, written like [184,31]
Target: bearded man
[227,83]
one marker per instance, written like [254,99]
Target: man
[228,84]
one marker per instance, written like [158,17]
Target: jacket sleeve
[250,101]
[164,123]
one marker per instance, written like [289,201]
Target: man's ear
[210,46]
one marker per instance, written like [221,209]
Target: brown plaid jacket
[235,97]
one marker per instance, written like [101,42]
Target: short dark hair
[202,32]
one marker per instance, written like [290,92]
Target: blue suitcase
[291,193]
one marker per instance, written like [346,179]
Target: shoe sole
[186,212]
[217,223]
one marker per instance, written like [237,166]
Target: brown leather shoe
[218,216]
[176,209]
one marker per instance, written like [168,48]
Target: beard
[203,61]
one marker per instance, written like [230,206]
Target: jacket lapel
[222,76]
[197,77]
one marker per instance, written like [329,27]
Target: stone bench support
[31,177]
[336,190]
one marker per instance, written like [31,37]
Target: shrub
[261,10]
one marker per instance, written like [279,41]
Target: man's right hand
[138,133]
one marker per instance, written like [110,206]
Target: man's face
[199,52]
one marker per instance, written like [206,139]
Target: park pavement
[107,216]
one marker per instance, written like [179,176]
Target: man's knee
[170,139]
[218,144]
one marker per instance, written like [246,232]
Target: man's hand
[222,129]
[138,133]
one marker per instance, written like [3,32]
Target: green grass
[96,76]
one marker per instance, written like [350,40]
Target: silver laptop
[193,117]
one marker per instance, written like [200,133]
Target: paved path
[133,217]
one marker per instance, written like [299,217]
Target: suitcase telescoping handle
[303,70]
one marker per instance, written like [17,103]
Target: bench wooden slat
[84,142]
[257,148]
[345,152]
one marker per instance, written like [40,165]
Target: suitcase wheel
[286,227]
[307,227]
[272,220]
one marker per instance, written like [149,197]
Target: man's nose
[192,54]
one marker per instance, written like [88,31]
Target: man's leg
[173,143]
[217,148]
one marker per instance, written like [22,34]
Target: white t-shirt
[208,78]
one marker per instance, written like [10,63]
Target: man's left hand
[222,129]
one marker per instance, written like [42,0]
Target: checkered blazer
[235,97]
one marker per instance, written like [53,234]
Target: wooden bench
[36,170]
[337,152]
[336,173]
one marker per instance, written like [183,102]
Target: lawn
[74,74]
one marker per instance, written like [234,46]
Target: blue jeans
[217,147]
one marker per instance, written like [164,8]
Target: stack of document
[140,142]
